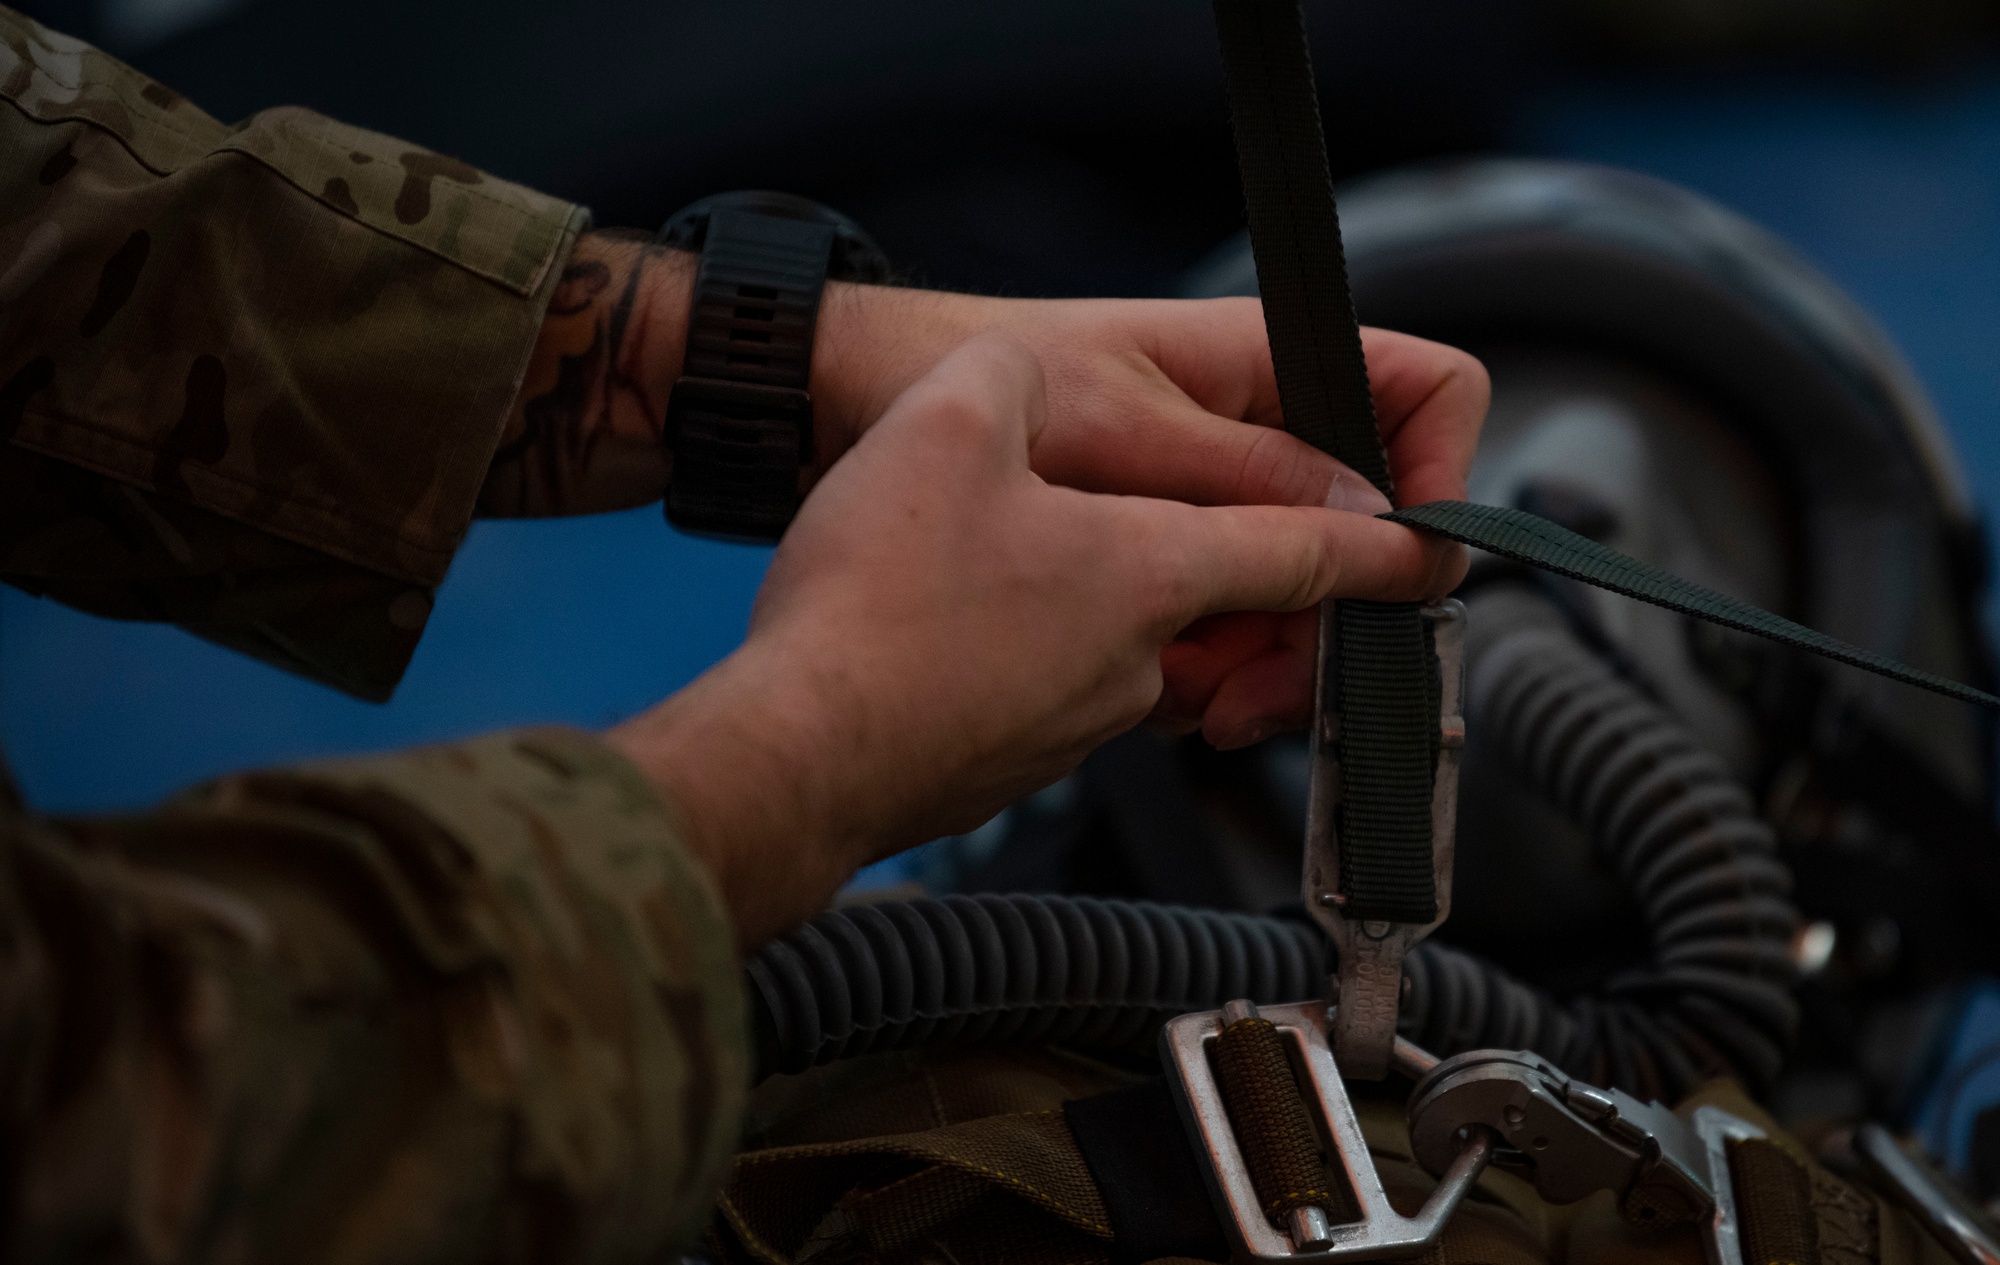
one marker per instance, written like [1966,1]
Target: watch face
[855,255]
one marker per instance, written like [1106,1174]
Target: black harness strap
[1377,659]
[1295,234]
[1137,1151]
[1539,543]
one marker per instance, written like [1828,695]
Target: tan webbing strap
[1017,1178]
[1774,1200]
[1012,1189]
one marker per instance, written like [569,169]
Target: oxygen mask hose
[1712,998]
[1684,838]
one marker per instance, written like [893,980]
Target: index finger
[1430,403]
[1430,398]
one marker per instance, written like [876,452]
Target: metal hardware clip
[1380,1233]
[1369,988]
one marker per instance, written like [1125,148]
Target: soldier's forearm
[753,764]
[251,376]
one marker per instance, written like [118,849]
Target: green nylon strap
[1377,664]
[1522,537]
[1295,235]
[1388,705]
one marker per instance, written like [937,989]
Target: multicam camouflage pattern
[472,1003]
[290,324]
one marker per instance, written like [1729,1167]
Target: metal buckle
[1381,1233]
[1717,1129]
[1570,1139]
[1962,1229]
[1369,987]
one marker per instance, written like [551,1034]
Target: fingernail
[1354,494]
[1248,736]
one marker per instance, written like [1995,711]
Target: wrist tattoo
[584,433]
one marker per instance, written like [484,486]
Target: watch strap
[740,421]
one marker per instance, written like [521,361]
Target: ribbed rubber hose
[1666,816]
[1103,975]
[1060,970]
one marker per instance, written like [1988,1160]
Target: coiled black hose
[1103,975]
[1667,817]
[1061,970]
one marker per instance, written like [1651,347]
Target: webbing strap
[1295,234]
[1387,700]
[1539,543]
[1774,1204]
[1376,659]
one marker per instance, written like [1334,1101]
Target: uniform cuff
[289,347]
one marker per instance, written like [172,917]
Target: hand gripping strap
[1539,543]
[1376,661]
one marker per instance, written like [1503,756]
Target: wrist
[744,761]
[659,329]
[584,432]
[617,324]
[874,341]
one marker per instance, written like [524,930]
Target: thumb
[1286,558]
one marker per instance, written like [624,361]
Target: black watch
[739,422]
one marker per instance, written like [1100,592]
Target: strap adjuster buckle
[1379,1232]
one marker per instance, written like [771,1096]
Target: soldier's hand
[1152,397]
[944,630]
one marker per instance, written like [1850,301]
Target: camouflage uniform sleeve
[467,1003]
[251,377]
